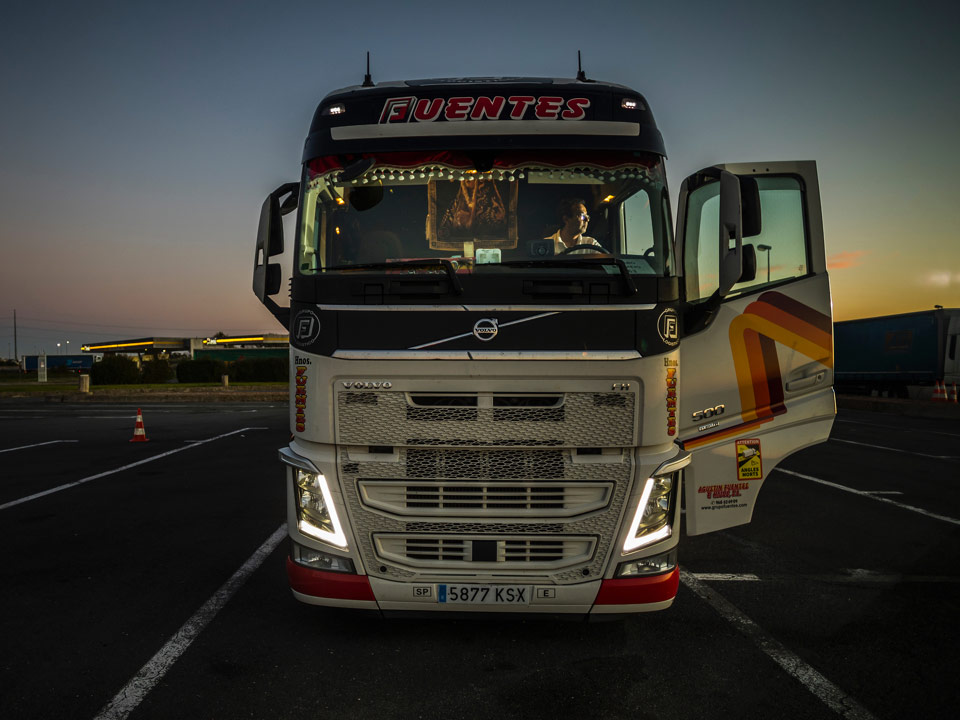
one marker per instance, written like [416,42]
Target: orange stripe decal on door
[772,318]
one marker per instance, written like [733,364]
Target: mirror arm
[282,314]
[699,316]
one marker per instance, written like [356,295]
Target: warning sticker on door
[749,463]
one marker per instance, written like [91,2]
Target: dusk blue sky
[137,141]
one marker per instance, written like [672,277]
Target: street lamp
[58,349]
[766,249]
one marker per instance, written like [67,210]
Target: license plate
[484,594]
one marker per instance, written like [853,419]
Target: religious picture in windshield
[481,211]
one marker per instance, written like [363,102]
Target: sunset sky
[137,141]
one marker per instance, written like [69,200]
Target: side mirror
[750,206]
[267,277]
[270,231]
[731,232]
[739,218]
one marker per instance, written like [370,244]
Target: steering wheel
[585,246]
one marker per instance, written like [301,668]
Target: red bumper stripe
[637,591]
[318,583]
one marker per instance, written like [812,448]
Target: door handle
[805,382]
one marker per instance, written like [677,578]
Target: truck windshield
[486,213]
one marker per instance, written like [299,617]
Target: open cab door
[755,380]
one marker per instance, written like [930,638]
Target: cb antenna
[581,75]
[367,80]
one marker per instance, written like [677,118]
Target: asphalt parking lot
[146,580]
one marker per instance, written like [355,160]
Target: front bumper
[617,596]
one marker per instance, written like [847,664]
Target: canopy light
[223,341]
[119,345]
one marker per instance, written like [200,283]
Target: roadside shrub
[260,370]
[202,370]
[114,370]
[155,371]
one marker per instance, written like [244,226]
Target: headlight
[654,513]
[316,514]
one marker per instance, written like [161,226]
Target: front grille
[510,553]
[393,417]
[485,485]
[493,464]
[483,499]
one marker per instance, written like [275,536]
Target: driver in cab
[574,219]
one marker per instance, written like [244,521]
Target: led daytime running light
[337,537]
[633,542]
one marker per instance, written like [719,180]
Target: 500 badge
[708,412]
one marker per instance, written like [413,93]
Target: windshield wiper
[420,262]
[631,287]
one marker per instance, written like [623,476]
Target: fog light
[656,565]
[319,560]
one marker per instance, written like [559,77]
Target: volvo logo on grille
[367,384]
[485,329]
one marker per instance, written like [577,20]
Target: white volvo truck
[508,373]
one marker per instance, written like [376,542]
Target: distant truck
[898,355]
[55,362]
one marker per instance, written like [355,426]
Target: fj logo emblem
[668,326]
[306,326]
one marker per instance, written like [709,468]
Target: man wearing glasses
[574,219]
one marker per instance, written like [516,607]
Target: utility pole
[16,355]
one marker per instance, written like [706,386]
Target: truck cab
[508,371]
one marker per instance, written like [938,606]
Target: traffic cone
[939,392]
[139,434]
[953,394]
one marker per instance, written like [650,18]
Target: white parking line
[726,577]
[28,498]
[49,442]
[888,427]
[872,496]
[826,691]
[890,449]
[853,576]
[133,693]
